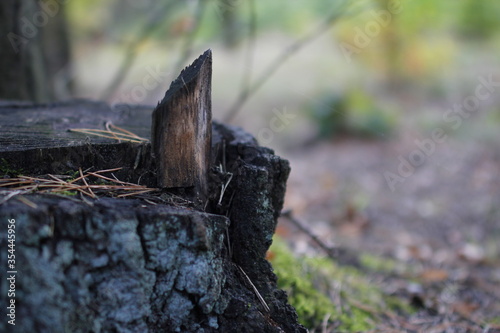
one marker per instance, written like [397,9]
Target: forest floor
[442,220]
[441,223]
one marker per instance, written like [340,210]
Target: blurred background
[358,67]
[388,111]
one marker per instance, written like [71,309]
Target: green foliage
[308,281]
[479,19]
[68,193]
[7,171]
[377,264]
[318,288]
[494,321]
[329,113]
[353,114]
[296,276]
[79,12]
[73,174]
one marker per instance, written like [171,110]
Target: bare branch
[246,79]
[187,48]
[280,60]
[340,255]
[133,49]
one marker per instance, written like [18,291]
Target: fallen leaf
[420,252]
[434,275]
[465,309]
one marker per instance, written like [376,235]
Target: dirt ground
[443,220]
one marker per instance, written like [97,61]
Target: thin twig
[53,184]
[11,195]
[153,23]
[136,193]
[252,28]
[86,184]
[223,188]
[340,255]
[81,190]
[108,128]
[111,125]
[229,245]
[19,182]
[111,179]
[187,48]
[289,216]
[280,60]
[124,135]
[59,180]
[27,202]
[108,170]
[261,299]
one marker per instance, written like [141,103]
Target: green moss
[7,170]
[353,113]
[494,321]
[70,193]
[317,288]
[359,321]
[398,305]
[376,263]
[294,278]
[73,174]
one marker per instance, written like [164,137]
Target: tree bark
[127,265]
[32,35]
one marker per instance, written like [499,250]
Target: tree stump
[140,263]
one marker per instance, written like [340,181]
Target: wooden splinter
[181,131]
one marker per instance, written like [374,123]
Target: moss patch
[7,170]
[377,264]
[318,288]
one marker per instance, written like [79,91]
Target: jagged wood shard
[181,131]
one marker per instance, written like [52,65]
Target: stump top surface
[25,126]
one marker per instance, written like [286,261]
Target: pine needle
[55,185]
[261,299]
[112,132]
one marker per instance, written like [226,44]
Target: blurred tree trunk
[230,25]
[34,49]
[392,44]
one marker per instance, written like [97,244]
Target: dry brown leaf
[465,309]
[434,275]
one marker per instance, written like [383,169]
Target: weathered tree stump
[147,263]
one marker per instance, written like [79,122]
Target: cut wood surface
[181,129]
[25,126]
[37,139]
